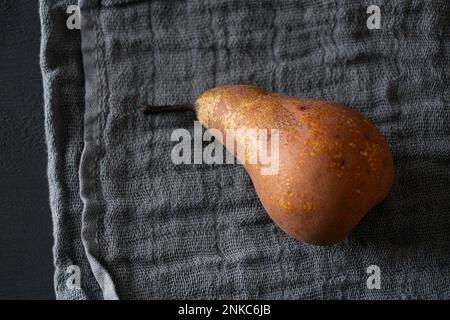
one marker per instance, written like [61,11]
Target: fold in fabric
[64,90]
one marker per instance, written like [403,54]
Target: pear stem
[167,108]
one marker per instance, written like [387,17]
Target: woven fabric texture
[141,227]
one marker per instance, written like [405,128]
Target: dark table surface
[26,268]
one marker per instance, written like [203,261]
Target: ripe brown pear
[333,164]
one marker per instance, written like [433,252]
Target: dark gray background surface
[26,270]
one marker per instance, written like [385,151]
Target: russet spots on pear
[334,165]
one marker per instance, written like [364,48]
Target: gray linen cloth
[140,227]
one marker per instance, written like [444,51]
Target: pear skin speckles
[205,107]
[334,164]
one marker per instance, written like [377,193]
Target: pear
[333,165]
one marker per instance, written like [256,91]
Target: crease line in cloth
[220,253]
[90,185]
[63,93]
[152,101]
[399,38]
[276,62]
